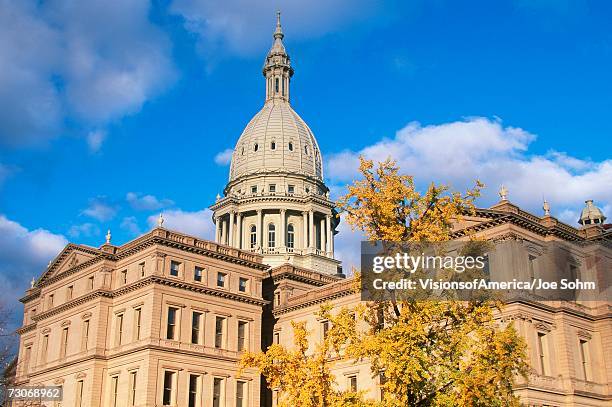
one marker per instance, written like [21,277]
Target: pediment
[71,256]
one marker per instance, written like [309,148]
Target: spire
[277,67]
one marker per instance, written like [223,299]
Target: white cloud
[130,224]
[146,202]
[224,157]
[95,138]
[347,246]
[198,223]
[100,209]
[24,254]
[243,26]
[90,61]
[84,229]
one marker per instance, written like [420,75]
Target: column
[231,229]
[283,229]
[239,230]
[225,231]
[217,229]
[330,238]
[259,227]
[311,243]
[305,223]
[322,232]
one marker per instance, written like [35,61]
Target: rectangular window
[243,284]
[584,359]
[45,347]
[79,394]
[219,332]
[196,317]
[541,352]
[132,394]
[124,277]
[168,388]
[324,329]
[69,292]
[171,328]
[221,279]
[137,322]
[352,382]
[254,189]
[174,268]
[241,394]
[217,391]
[291,189]
[85,335]
[90,283]
[26,358]
[64,346]
[277,298]
[193,390]
[242,335]
[276,338]
[50,301]
[114,390]
[272,187]
[118,329]
[141,267]
[197,273]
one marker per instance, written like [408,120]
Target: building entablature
[291,272]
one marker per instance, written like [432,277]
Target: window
[124,277]
[193,390]
[306,150]
[272,188]
[64,345]
[253,236]
[541,352]
[137,322]
[324,328]
[271,235]
[276,85]
[141,267]
[584,359]
[242,332]
[531,267]
[69,292]
[254,189]
[352,382]
[273,145]
[174,268]
[90,283]
[277,338]
[171,327]
[85,335]
[79,393]
[168,388]
[290,146]
[243,284]
[45,347]
[132,394]
[277,298]
[26,358]
[119,330]
[242,151]
[50,300]
[291,189]
[217,391]
[114,390]
[241,394]
[255,147]
[290,236]
[197,273]
[195,327]
[219,332]
[221,279]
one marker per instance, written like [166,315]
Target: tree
[428,353]
[302,378]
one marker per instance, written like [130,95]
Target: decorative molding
[86,315]
[66,323]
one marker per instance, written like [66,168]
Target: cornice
[319,295]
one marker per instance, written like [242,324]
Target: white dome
[276,140]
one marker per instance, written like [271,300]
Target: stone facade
[163,319]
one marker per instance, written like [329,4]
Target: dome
[276,140]
[591,215]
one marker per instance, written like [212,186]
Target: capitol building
[163,320]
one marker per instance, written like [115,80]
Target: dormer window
[306,150]
[290,146]
[255,147]
[273,145]
[242,151]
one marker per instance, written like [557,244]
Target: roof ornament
[503,193]
[591,214]
[32,282]
[546,207]
[160,220]
[278,33]
[218,197]
[108,237]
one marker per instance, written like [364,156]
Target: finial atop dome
[277,67]
[591,215]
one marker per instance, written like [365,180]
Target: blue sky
[111,112]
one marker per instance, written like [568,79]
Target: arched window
[242,151]
[290,236]
[255,147]
[290,146]
[276,85]
[271,235]
[273,145]
[253,236]
[306,150]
